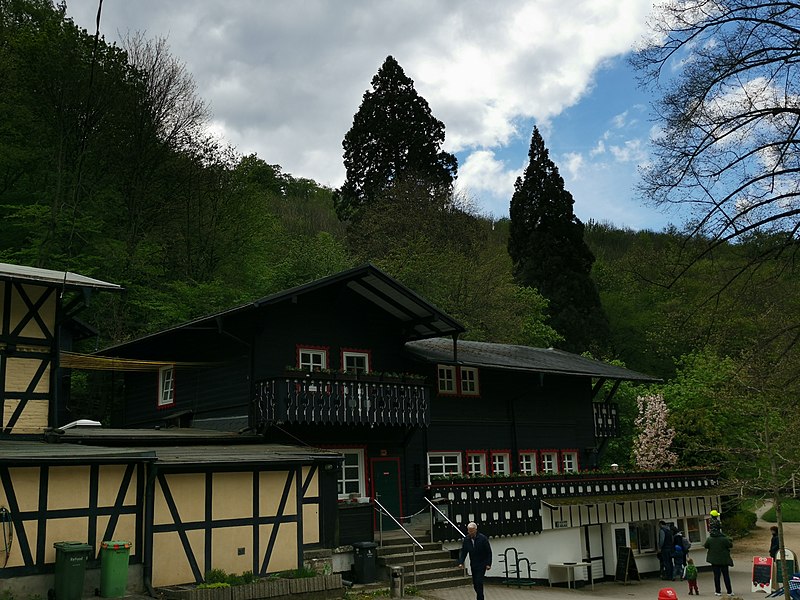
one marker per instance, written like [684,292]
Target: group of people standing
[673,548]
[675,562]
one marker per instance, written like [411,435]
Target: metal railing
[445,517]
[382,512]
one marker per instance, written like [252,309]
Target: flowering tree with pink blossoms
[651,445]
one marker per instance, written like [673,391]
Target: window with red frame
[527,463]
[549,461]
[476,463]
[446,379]
[501,463]
[569,461]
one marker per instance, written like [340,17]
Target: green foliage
[213,586]
[549,253]
[298,573]
[790,509]
[217,578]
[737,520]
[394,138]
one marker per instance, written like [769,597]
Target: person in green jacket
[719,556]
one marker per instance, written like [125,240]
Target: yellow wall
[67,488]
[231,498]
[311,511]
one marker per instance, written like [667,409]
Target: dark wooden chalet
[359,363]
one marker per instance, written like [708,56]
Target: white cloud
[629,151]
[573,163]
[284,78]
[482,174]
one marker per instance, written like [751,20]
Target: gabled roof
[421,318]
[62,278]
[520,358]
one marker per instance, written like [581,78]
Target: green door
[386,487]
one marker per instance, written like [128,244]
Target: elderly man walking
[477,546]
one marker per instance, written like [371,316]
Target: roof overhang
[66,279]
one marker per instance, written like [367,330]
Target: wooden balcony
[342,399]
[512,505]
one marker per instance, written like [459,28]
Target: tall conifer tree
[394,138]
[549,253]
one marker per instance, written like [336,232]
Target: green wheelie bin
[114,568]
[71,560]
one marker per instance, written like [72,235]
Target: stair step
[422,565]
[419,557]
[400,548]
[450,572]
[445,582]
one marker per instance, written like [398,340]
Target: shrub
[213,586]
[216,576]
[298,573]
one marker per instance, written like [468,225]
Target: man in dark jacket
[774,543]
[477,546]
[719,555]
[665,548]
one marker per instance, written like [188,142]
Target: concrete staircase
[434,567]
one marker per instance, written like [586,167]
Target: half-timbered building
[188,500]
[505,435]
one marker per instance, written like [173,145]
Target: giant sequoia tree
[549,253]
[394,138]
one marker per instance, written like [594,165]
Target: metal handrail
[400,525]
[436,508]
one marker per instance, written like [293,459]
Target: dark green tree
[549,253]
[394,138]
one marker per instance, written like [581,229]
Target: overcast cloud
[284,78]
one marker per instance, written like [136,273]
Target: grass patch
[790,508]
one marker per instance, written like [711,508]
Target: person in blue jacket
[477,546]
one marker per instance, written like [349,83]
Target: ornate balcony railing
[606,424]
[342,399]
[512,505]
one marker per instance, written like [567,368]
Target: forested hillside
[106,169]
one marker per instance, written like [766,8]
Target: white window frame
[501,463]
[310,365]
[353,354]
[468,380]
[446,379]
[166,386]
[476,463]
[345,475]
[443,463]
[692,533]
[569,462]
[549,462]
[527,463]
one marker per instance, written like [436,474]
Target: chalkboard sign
[626,566]
[762,574]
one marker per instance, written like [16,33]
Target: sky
[283,79]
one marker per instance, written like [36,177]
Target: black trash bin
[366,562]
